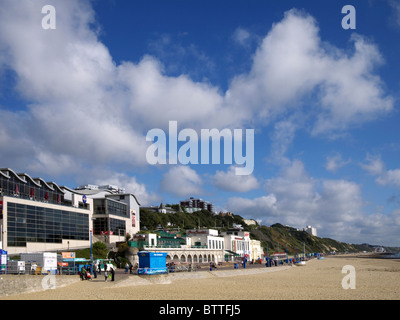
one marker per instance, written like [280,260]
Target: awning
[232,253]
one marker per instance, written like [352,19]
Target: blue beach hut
[152,262]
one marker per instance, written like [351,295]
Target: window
[117,208]
[100,226]
[38,224]
[117,227]
[99,206]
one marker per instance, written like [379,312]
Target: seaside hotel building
[39,216]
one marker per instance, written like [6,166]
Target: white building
[208,238]
[204,245]
[238,242]
[256,251]
[311,230]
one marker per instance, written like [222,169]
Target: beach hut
[152,263]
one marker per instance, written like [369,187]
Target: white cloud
[242,37]
[340,201]
[130,184]
[264,207]
[155,98]
[335,162]
[181,181]
[229,181]
[293,63]
[375,166]
[390,177]
[282,137]
[395,5]
[68,77]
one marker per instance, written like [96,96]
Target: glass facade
[108,225]
[14,187]
[27,223]
[117,208]
[99,206]
[117,227]
[107,206]
[100,226]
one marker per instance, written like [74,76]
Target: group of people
[109,273]
[129,267]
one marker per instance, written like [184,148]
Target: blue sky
[77,102]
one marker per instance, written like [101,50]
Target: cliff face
[279,238]
[276,237]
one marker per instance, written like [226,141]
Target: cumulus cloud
[281,139]
[395,5]
[390,177]
[66,77]
[335,207]
[373,165]
[242,37]
[130,184]
[229,181]
[335,162]
[376,167]
[293,63]
[181,181]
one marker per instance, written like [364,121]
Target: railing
[163,247]
[36,199]
[176,247]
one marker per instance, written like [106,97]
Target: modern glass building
[37,224]
[38,216]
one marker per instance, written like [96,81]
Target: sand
[375,279]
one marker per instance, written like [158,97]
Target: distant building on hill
[162,209]
[250,222]
[193,205]
[311,230]
[225,214]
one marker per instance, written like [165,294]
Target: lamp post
[91,253]
[91,248]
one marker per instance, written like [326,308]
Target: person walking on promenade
[83,273]
[105,272]
[112,274]
[99,266]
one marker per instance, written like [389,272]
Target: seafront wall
[172,277]
[17,284]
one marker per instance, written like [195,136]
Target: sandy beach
[376,279]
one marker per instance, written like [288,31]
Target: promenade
[376,279]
